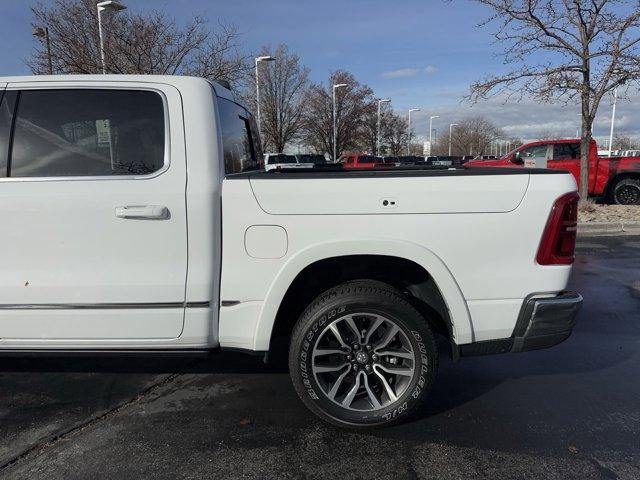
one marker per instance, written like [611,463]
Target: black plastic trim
[408,171]
[486,347]
[99,352]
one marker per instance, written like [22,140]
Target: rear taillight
[559,238]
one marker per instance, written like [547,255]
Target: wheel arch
[461,330]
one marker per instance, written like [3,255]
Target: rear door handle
[143,212]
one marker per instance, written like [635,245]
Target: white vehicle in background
[136,217]
[274,161]
[311,158]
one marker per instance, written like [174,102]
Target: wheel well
[616,178]
[408,277]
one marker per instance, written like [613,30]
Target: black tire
[626,192]
[368,301]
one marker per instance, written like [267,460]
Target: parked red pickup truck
[356,160]
[615,179]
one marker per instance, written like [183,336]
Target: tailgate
[352,196]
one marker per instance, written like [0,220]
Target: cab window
[240,142]
[536,151]
[92,132]
[566,151]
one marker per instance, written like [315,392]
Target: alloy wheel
[363,361]
[628,195]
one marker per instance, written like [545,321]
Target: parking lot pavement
[572,411]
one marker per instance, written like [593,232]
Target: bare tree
[471,136]
[370,127]
[550,135]
[283,90]
[396,134]
[149,43]
[591,47]
[353,103]
[624,142]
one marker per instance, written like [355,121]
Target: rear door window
[92,132]
[566,151]
[240,142]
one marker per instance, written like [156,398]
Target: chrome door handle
[143,212]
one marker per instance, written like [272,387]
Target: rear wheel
[626,192]
[361,355]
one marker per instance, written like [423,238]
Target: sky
[420,53]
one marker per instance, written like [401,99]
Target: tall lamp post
[411,110]
[43,32]
[335,134]
[380,102]
[431,130]
[613,118]
[451,125]
[579,126]
[435,136]
[264,58]
[113,6]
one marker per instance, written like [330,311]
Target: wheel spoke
[403,371]
[348,400]
[352,325]
[336,333]
[393,330]
[385,384]
[329,368]
[374,326]
[337,383]
[321,352]
[396,353]
[372,396]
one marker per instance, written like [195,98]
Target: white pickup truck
[136,217]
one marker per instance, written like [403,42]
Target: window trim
[167,134]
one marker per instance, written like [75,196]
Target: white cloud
[410,72]
[529,119]
[403,72]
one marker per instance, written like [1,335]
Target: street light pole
[613,117]
[264,58]
[114,6]
[411,110]
[335,135]
[380,102]
[43,32]
[451,125]
[430,130]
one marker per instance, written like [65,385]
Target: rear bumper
[542,323]
[545,322]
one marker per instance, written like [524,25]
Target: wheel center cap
[362,357]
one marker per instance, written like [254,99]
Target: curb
[609,227]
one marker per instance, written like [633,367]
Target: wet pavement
[572,411]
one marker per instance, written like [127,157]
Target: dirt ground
[594,213]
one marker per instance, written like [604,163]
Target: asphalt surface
[572,411]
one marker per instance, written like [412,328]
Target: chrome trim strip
[102,306]
[229,303]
